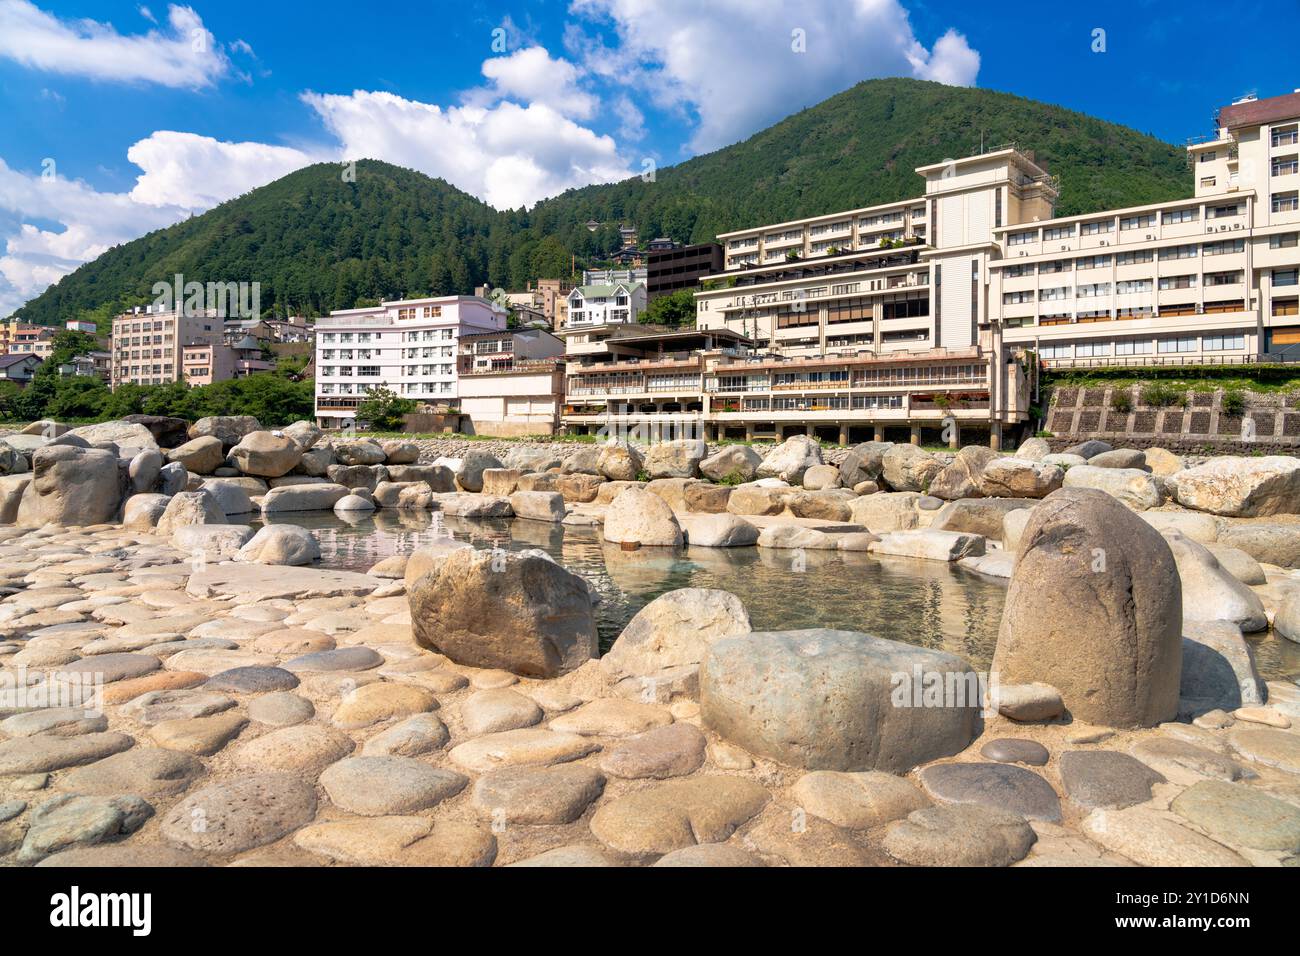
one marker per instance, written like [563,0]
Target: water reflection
[920,602]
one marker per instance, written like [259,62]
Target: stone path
[256,715]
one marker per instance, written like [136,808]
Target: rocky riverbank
[221,701]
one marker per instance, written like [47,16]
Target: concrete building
[203,363]
[511,382]
[672,267]
[18,367]
[1212,278]
[148,343]
[410,346]
[612,304]
[612,276]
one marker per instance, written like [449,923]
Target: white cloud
[91,222]
[733,65]
[508,155]
[531,75]
[186,55]
[198,172]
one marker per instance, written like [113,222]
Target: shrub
[1162,395]
[1122,401]
[1233,402]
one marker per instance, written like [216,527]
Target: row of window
[1231,342]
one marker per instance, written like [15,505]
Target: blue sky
[119,118]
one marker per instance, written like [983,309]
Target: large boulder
[1033,449]
[538,505]
[1219,670]
[211,541]
[440,478]
[732,464]
[638,516]
[665,643]
[984,516]
[190,507]
[397,452]
[675,459]
[11,496]
[838,700]
[908,468]
[359,451]
[230,494]
[1095,609]
[12,461]
[1020,478]
[620,461]
[122,434]
[519,612]
[1266,542]
[961,479]
[1163,462]
[1090,448]
[141,512]
[314,497]
[315,462]
[202,455]
[581,461]
[281,544]
[720,531]
[167,431]
[144,470]
[1240,487]
[889,511]
[833,504]
[469,476]
[358,476]
[71,486]
[790,459]
[1133,487]
[304,434]
[755,499]
[1209,592]
[266,454]
[528,458]
[229,428]
[863,462]
[929,544]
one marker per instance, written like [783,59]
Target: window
[1178,252]
[1209,157]
[1055,294]
[1286,306]
[1284,240]
[1090,290]
[1285,165]
[1017,298]
[433,311]
[1285,135]
[1092,349]
[1223,248]
[1178,282]
[1284,277]
[1054,351]
[1133,347]
[1225,343]
[1176,216]
[850,310]
[1133,258]
[1222,278]
[1021,238]
[1097,228]
[1094,262]
[1223,212]
[408,313]
[1059,232]
[1060,265]
[1018,271]
[1132,286]
[1286,202]
[1208,182]
[1183,343]
[1144,221]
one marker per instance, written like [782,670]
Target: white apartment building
[1212,278]
[410,346]
[606,304]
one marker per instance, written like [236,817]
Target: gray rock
[960,835]
[281,544]
[339,659]
[71,486]
[1241,816]
[202,455]
[961,479]
[229,428]
[1104,778]
[537,796]
[148,771]
[994,785]
[469,476]
[252,680]
[790,459]
[1094,609]
[382,786]
[825,699]
[68,821]
[983,516]
[863,462]
[671,751]
[241,813]
[908,468]
[1090,448]
[732,463]
[1015,750]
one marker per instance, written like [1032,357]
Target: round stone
[240,814]
[530,746]
[421,734]
[995,785]
[253,680]
[1104,778]
[1015,750]
[960,834]
[1241,816]
[671,751]
[612,717]
[44,753]
[400,841]
[709,854]
[113,667]
[371,703]
[676,814]
[281,709]
[495,710]
[380,786]
[857,800]
[537,795]
[148,771]
[203,736]
[71,820]
[305,749]
[1273,748]
[160,705]
[339,659]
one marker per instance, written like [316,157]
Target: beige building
[511,382]
[148,345]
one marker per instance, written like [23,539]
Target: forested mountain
[316,241]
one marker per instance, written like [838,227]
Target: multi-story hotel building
[602,304]
[148,343]
[511,382]
[940,309]
[409,346]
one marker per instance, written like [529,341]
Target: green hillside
[316,243]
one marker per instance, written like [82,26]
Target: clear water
[918,602]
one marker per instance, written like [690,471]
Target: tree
[383,409]
[676,309]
